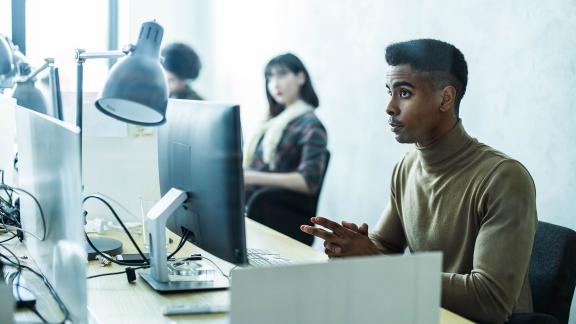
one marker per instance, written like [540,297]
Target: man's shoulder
[493,160]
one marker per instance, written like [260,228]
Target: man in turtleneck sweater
[451,194]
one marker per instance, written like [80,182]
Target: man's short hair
[444,61]
[182,61]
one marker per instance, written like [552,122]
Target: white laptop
[380,289]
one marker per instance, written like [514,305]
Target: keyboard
[263,258]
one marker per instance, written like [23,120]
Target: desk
[112,299]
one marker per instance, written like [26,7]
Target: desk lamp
[6,63]
[135,92]
[26,93]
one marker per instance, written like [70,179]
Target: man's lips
[395,127]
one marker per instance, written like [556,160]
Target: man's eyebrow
[401,84]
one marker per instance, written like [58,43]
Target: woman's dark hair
[182,61]
[294,65]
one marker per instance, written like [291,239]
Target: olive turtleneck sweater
[478,207]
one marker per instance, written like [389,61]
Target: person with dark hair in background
[451,194]
[288,151]
[182,66]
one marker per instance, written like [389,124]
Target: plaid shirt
[302,149]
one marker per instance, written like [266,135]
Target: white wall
[520,96]
[126,168]
[519,100]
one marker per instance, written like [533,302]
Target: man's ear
[448,101]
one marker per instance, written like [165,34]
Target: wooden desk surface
[113,300]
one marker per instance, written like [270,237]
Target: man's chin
[403,139]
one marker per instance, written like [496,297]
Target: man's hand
[344,240]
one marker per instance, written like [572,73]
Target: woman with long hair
[289,149]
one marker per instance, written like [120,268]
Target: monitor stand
[174,276]
[198,278]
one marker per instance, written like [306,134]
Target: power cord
[19,267]
[121,224]
[130,270]
[10,188]
[8,239]
[227,276]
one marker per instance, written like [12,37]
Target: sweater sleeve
[313,155]
[507,216]
[388,235]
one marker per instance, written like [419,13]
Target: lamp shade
[28,96]
[6,59]
[136,90]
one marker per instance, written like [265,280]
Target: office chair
[285,210]
[552,275]
[572,318]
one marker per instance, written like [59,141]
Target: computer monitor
[200,152]
[200,156]
[41,92]
[49,83]
[49,170]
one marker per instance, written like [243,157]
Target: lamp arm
[48,62]
[81,55]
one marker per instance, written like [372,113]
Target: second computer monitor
[200,152]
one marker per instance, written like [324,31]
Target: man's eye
[389,92]
[404,93]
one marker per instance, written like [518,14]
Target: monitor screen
[200,152]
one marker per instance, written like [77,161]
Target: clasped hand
[343,240]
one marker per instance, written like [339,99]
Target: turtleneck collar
[442,152]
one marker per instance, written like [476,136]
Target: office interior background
[520,96]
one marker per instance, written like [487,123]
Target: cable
[107,257]
[23,230]
[19,266]
[37,204]
[119,221]
[35,311]
[116,202]
[183,239]
[106,274]
[13,263]
[217,267]
[8,239]
[117,273]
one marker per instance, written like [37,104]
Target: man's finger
[363,229]
[350,226]
[318,232]
[329,224]
[329,253]
[335,248]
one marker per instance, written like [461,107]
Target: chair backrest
[553,270]
[572,319]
